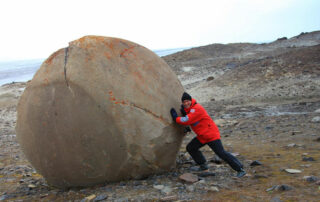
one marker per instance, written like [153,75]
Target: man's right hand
[173,114]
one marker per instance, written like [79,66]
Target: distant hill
[285,69]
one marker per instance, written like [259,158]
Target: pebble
[235,154]
[101,197]
[275,199]
[158,187]
[169,198]
[292,171]
[194,168]
[308,159]
[189,177]
[316,119]
[90,198]
[206,174]
[190,188]
[295,132]
[32,186]
[201,181]
[4,197]
[268,128]
[166,190]
[256,163]
[291,145]
[282,187]
[317,111]
[310,178]
[213,189]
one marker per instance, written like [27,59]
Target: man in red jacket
[207,133]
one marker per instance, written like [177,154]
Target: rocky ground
[265,99]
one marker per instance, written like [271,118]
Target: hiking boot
[204,167]
[241,173]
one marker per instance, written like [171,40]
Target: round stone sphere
[99,111]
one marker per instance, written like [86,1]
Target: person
[207,134]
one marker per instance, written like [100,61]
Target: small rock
[189,177]
[194,168]
[158,186]
[101,197]
[210,78]
[275,199]
[306,165]
[89,198]
[206,174]
[121,200]
[32,186]
[256,163]
[283,187]
[213,189]
[317,111]
[190,188]
[166,190]
[308,159]
[201,181]
[318,182]
[271,188]
[268,128]
[316,119]
[318,139]
[44,195]
[4,197]
[169,198]
[292,171]
[295,132]
[310,178]
[291,145]
[235,154]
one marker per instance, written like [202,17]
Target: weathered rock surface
[98,111]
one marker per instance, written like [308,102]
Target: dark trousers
[216,145]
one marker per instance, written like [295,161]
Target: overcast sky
[36,28]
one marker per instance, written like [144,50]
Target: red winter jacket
[201,123]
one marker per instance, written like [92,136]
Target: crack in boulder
[66,51]
[150,113]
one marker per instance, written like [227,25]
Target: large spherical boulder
[98,111]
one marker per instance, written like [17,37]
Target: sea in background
[23,70]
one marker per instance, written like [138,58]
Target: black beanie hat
[186,96]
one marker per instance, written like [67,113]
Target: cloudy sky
[36,28]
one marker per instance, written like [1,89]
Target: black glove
[173,114]
[182,111]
